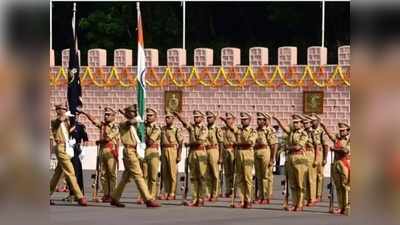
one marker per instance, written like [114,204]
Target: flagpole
[74,24]
[323,25]
[51,24]
[184,25]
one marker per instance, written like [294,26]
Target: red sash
[114,147]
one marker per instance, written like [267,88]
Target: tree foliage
[212,25]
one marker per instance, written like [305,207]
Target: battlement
[230,56]
[230,87]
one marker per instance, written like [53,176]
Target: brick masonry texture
[281,102]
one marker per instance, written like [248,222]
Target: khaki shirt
[127,138]
[310,140]
[215,135]
[109,131]
[197,134]
[228,136]
[246,136]
[153,133]
[266,136]
[298,137]
[57,131]
[171,135]
[319,136]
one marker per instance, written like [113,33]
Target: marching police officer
[297,160]
[61,130]
[197,157]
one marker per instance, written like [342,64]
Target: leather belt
[153,146]
[213,146]
[244,146]
[298,152]
[169,145]
[197,147]
[130,146]
[260,146]
[229,146]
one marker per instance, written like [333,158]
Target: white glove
[139,119]
[72,142]
[140,149]
[82,155]
[69,114]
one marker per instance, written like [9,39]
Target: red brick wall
[281,102]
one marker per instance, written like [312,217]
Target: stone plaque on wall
[173,101]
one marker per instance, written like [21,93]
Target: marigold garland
[231,77]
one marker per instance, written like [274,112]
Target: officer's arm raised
[284,128]
[179,138]
[122,112]
[229,125]
[91,119]
[180,118]
[330,136]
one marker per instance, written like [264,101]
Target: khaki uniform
[214,138]
[266,137]
[297,164]
[64,164]
[229,141]
[319,136]
[310,192]
[246,138]
[197,160]
[131,163]
[171,138]
[341,173]
[109,156]
[151,162]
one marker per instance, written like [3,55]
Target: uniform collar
[247,128]
[110,124]
[299,130]
[309,130]
[197,125]
[261,128]
[212,126]
[345,137]
[171,127]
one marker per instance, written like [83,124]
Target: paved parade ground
[173,213]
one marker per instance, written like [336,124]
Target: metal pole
[51,25]
[184,25]
[323,25]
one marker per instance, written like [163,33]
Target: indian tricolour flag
[141,74]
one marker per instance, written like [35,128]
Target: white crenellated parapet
[203,57]
[230,56]
[122,57]
[287,55]
[51,57]
[151,55]
[258,56]
[176,57]
[97,57]
[317,55]
[344,55]
[65,57]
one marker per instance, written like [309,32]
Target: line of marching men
[239,148]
